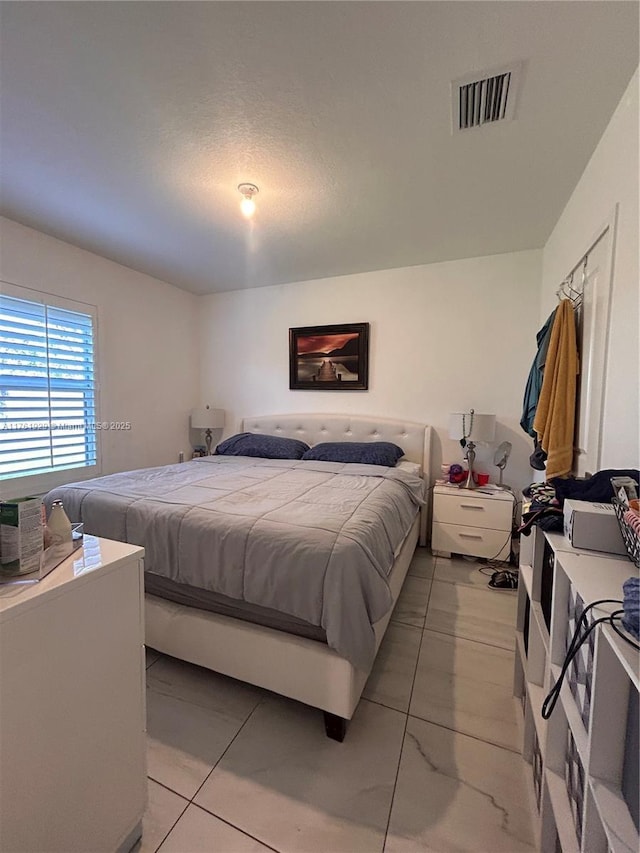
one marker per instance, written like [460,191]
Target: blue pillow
[264,446]
[364,452]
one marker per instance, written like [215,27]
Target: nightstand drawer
[470,510]
[473,541]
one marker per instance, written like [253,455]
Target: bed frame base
[302,669]
[335,727]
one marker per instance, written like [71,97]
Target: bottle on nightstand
[58,525]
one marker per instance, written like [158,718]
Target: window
[47,387]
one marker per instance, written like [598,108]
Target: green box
[21,543]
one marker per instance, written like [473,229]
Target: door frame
[610,224]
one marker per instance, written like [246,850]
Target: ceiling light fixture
[248,205]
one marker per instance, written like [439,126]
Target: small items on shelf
[33,546]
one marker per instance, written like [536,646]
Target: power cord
[492,562]
[633,645]
[577,641]
[494,565]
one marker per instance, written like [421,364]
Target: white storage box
[593,526]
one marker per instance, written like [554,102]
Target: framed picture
[329,358]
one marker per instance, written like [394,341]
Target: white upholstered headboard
[413,438]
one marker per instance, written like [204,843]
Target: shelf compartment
[613,766]
[519,687]
[580,672]
[595,577]
[526,574]
[523,604]
[609,718]
[547,584]
[617,824]
[538,646]
[536,698]
[537,771]
[595,837]
[547,836]
[526,550]
[571,715]
[563,816]
[574,777]
[628,657]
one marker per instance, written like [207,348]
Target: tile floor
[430,760]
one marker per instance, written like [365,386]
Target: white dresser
[72,705]
[477,524]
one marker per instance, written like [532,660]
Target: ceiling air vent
[484,98]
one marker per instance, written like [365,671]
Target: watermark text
[85,426]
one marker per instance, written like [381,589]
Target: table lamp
[207,419]
[472,428]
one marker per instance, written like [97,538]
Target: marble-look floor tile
[411,606]
[197,831]
[422,564]
[163,810]
[467,686]
[473,613]
[284,782]
[201,686]
[192,717]
[391,678]
[457,570]
[455,793]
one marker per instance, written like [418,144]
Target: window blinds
[47,388]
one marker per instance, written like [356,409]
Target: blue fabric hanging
[534,381]
[631,605]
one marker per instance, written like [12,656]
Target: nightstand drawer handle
[472,506]
[469,536]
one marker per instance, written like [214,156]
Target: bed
[327,671]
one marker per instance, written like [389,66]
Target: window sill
[39,484]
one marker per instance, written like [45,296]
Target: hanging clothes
[532,392]
[555,414]
[534,381]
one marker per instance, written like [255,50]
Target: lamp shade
[207,418]
[472,426]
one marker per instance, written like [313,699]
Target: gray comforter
[315,540]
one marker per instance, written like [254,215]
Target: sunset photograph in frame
[329,358]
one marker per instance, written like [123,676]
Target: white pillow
[410,467]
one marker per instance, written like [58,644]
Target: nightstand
[473,523]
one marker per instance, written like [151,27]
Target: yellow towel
[555,415]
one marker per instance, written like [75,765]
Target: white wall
[444,337]
[147,347]
[611,177]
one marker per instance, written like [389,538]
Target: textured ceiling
[126,128]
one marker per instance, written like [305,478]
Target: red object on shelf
[457,474]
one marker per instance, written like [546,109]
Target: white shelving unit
[584,759]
